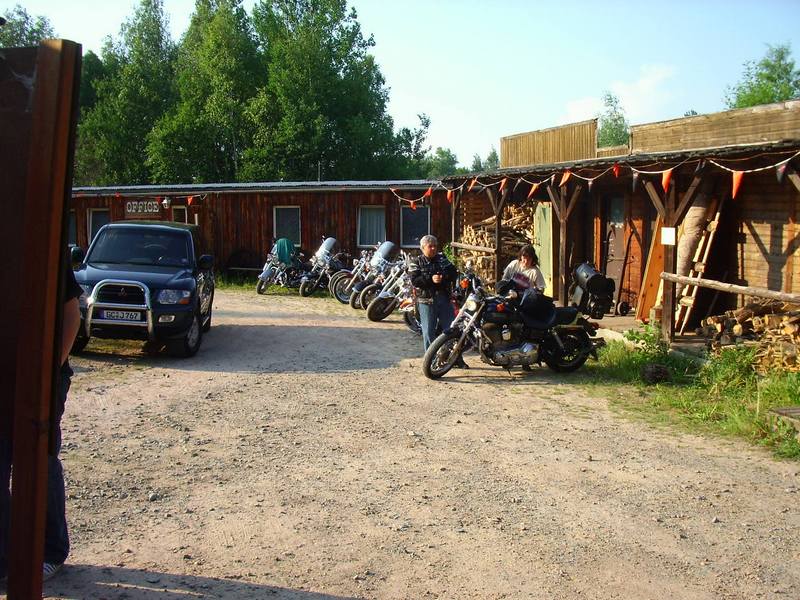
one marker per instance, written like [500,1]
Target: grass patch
[723,395]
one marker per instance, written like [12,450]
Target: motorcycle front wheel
[380,308]
[354,298]
[332,282]
[440,356]
[411,319]
[368,294]
[261,287]
[340,291]
[577,348]
[307,288]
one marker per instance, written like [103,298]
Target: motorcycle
[341,284]
[324,264]
[396,287]
[519,326]
[286,271]
[379,266]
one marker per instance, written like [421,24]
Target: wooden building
[240,221]
[616,209]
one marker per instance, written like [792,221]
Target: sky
[486,69]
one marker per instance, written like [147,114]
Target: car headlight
[471,304]
[174,297]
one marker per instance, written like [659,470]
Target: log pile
[772,326]
[516,230]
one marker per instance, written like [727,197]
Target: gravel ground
[302,454]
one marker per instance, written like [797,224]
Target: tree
[92,72]
[442,162]
[112,137]
[23,30]
[613,129]
[204,136]
[690,113]
[772,79]
[323,109]
[491,163]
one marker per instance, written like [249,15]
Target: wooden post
[453,217]
[498,233]
[670,263]
[563,210]
[54,97]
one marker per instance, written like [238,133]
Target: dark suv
[146,281]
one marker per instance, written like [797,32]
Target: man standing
[433,277]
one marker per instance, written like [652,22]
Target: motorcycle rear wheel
[440,358]
[368,294]
[411,319]
[380,308]
[576,351]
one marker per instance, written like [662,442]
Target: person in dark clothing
[56,546]
[433,277]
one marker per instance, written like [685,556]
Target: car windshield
[133,246]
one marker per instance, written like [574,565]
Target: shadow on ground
[90,581]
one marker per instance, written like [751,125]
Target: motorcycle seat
[566,315]
[540,321]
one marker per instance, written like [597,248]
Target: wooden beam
[492,198]
[573,200]
[668,301]
[793,177]
[454,216]
[688,198]
[655,198]
[498,234]
[731,288]
[555,201]
[49,176]
[470,247]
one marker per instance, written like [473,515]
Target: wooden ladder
[699,260]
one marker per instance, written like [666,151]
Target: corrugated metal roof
[268,186]
[637,159]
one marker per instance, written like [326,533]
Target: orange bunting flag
[428,192]
[737,181]
[503,183]
[666,176]
[413,205]
[534,187]
[190,200]
[615,169]
[472,184]
[564,178]
[449,196]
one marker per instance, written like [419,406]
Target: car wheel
[207,322]
[189,344]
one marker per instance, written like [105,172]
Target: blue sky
[485,69]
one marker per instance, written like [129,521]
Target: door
[614,239]
[543,242]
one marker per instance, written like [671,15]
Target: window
[371,225]
[179,214]
[97,218]
[286,220]
[413,225]
[72,229]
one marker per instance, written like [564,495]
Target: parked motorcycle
[520,326]
[379,266]
[283,267]
[341,285]
[395,287]
[325,262]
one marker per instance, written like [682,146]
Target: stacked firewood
[516,230]
[772,326]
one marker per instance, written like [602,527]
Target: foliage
[774,78]
[491,163]
[112,136]
[204,136]
[441,163]
[92,71]
[613,129]
[724,395]
[690,113]
[21,29]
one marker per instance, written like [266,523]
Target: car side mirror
[205,262]
[77,255]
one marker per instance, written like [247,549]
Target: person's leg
[5,503]
[427,319]
[56,537]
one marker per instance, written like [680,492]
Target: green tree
[323,109]
[613,129]
[92,72]
[442,162]
[774,78]
[112,137]
[491,163]
[21,29]
[477,163]
[204,137]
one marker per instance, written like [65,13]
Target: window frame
[185,210]
[89,217]
[358,224]
[299,222]
[403,208]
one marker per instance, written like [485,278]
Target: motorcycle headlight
[471,304]
[174,297]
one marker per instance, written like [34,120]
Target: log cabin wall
[237,227]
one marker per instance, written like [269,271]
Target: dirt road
[301,454]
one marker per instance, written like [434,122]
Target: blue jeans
[435,318]
[56,536]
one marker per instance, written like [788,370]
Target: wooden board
[575,141]
[651,282]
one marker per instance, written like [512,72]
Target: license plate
[122,315]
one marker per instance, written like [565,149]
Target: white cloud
[643,100]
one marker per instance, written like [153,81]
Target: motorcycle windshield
[386,251]
[328,247]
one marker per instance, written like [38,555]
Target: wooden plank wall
[238,227]
[768,241]
[575,141]
[608,151]
[759,124]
